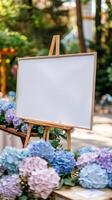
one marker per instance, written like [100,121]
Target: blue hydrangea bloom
[93,176]
[11,158]
[7,105]
[63,162]
[110,180]
[2,169]
[41,149]
[1,104]
[11,94]
[88,149]
[24,127]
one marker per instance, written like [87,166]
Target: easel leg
[46,134]
[53,196]
[22,140]
[68,139]
[28,135]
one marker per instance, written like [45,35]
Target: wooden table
[78,193]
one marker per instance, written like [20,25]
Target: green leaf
[69,182]
[23,197]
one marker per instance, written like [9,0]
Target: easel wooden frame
[55,45]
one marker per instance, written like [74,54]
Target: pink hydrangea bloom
[87,158]
[42,182]
[30,165]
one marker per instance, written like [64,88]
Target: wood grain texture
[74,193]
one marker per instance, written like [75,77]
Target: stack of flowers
[95,168]
[34,171]
[8,116]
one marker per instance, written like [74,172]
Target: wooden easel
[55,45]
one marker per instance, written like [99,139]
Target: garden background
[27,27]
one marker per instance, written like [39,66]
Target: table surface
[78,193]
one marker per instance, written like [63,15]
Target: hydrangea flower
[11,95]
[88,149]
[93,176]
[7,105]
[105,160]
[63,162]
[10,187]
[110,180]
[42,182]
[9,115]
[17,122]
[24,127]
[41,149]
[11,158]
[30,165]
[1,104]
[2,169]
[87,158]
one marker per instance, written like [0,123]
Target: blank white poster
[57,89]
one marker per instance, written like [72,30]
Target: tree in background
[38,20]
[11,46]
[103,45]
[98,25]
[81,38]
[28,26]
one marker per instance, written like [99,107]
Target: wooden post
[3,78]
[3,53]
[55,45]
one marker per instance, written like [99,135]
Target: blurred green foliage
[19,42]
[38,21]
[28,26]
[104,52]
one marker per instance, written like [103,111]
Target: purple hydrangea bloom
[9,115]
[110,180]
[24,127]
[105,160]
[41,149]
[93,176]
[17,122]
[63,162]
[10,187]
[87,158]
[11,158]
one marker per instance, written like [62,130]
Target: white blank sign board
[57,89]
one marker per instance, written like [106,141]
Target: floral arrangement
[8,115]
[95,167]
[10,120]
[34,171]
